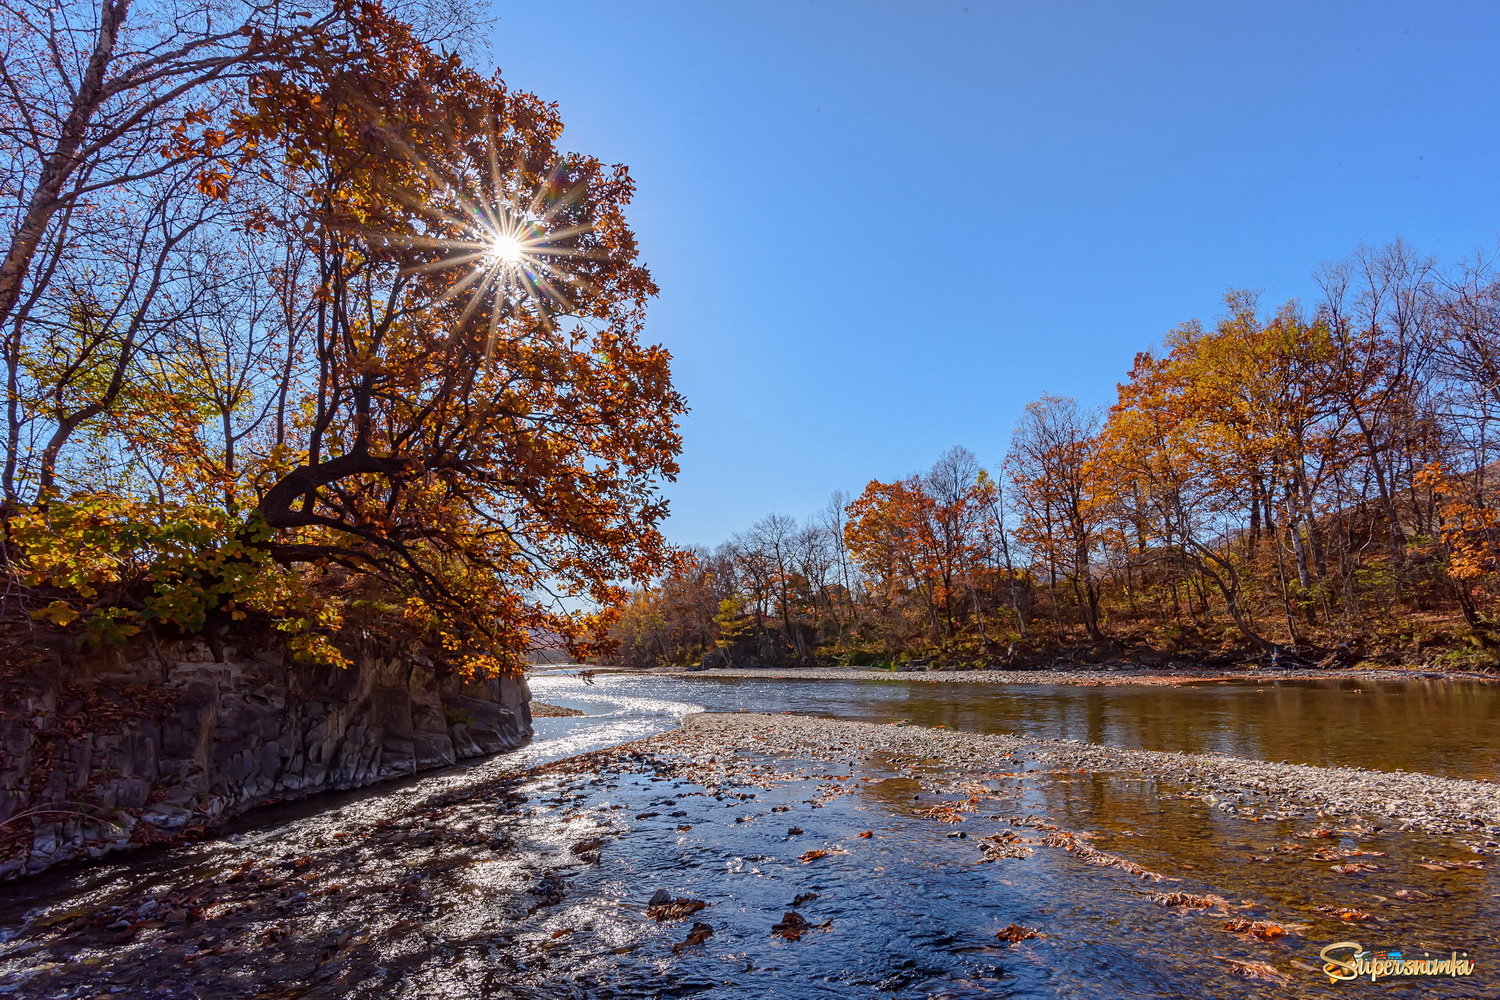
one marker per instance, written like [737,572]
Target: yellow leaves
[175,563]
[58,613]
[315,648]
[416,612]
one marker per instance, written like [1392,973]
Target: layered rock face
[142,751]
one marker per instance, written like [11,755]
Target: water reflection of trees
[1438,727]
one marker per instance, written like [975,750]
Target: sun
[502,234]
[505,249]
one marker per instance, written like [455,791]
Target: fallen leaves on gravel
[1069,842]
[1433,864]
[1337,855]
[948,812]
[1346,913]
[1187,899]
[1262,929]
[1255,970]
[999,846]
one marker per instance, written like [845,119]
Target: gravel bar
[542,710]
[1415,801]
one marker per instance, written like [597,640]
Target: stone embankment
[149,750]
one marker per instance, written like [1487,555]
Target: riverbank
[154,746]
[1090,677]
[542,710]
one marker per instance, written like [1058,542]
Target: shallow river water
[1449,728]
[544,892]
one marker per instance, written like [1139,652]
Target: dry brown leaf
[1262,929]
[1255,970]
[675,910]
[792,926]
[1346,913]
[701,932]
[1188,900]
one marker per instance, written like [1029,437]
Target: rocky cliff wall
[146,750]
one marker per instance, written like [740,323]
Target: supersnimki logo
[1344,961]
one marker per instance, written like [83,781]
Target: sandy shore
[1087,678]
[1248,787]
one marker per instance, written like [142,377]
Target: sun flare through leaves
[509,252]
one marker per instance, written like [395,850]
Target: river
[1448,728]
[911,910]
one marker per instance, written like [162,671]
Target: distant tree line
[1297,484]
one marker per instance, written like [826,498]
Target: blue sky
[881,229]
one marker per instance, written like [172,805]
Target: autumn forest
[1309,484]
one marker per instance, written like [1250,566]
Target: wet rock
[549,890]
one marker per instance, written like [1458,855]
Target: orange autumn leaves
[1298,486]
[927,546]
[390,434]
